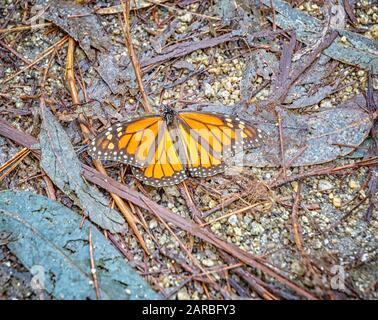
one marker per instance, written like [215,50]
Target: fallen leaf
[260,63]
[305,100]
[134,5]
[59,161]
[318,82]
[47,236]
[357,50]
[227,10]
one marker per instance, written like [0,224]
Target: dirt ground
[320,231]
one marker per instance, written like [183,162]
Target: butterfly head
[168,114]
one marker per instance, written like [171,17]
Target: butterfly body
[169,115]
[165,149]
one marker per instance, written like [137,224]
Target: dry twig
[13,162]
[132,54]
[29,27]
[43,55]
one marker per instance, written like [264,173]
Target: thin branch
[29,27]
[43,55]
[13,162]
[184,48]
[133,57]
[294,219]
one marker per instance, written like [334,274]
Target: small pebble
[297,268]
[317,244]
[336,202]
[208,262]
[186,17]
[172,191]
[212,204]
[324,185]
[353,184]
[238,232]
[256,228]
[216,226]
[233,220]
[183,294]
[374,32]
[208,90]
[153,224]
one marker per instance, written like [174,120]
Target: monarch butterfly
[164,149]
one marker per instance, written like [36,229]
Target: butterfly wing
[129,142]
[147,145]
[166,167]
[209,139]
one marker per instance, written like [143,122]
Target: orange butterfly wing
[166,168]
[128,142]
[209,139]
[145,144]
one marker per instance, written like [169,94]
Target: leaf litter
[358,50]
[79,22]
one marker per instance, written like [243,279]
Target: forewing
[129,142]
[209,139]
